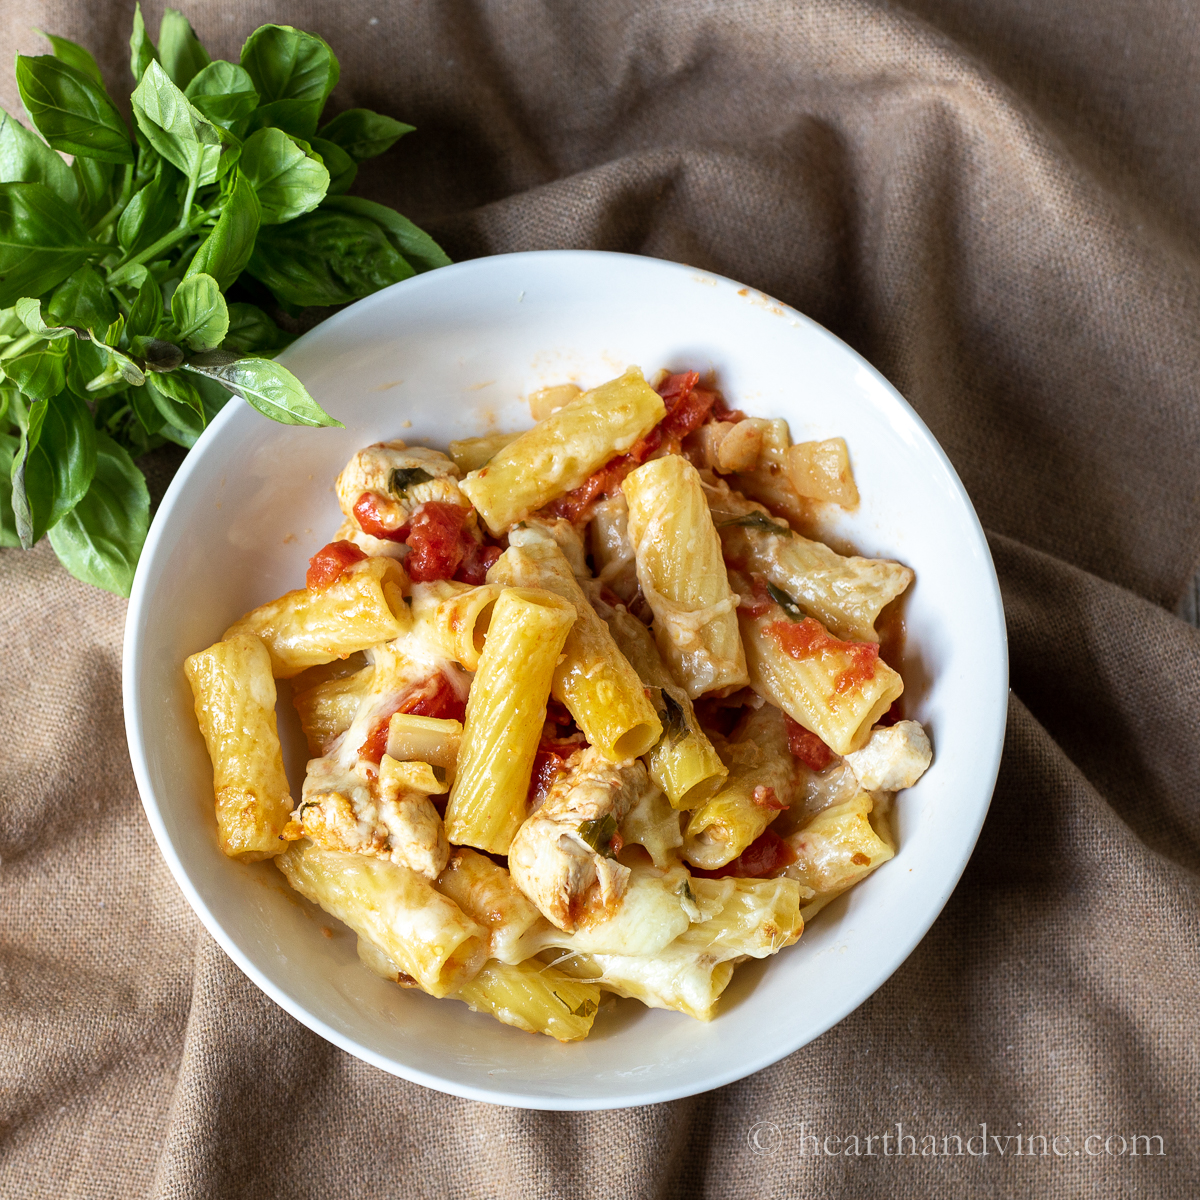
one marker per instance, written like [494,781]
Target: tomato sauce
[436,697]
[329,563]
[806,746]
[767,855]
[808,639]
[688,406]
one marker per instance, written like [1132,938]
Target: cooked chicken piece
[560,855]
[399,478]
[893,758]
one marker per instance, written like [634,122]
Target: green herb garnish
[400,479]
[675,723]
[760,521]
[599,833]
[785,602]
[136,283]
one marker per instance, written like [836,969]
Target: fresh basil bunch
[116,334]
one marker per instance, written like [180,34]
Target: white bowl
[452,352]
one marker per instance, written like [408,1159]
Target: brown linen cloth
[997,202]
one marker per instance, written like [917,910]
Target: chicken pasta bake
[586,711]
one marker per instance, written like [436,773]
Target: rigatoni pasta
[235,706]
[683,577]
[504,717]
[598,718]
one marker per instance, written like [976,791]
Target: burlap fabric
[996,201]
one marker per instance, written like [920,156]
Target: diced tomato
[809,639]
[326,566]
[764,796]
[370,520]
[436,697]
[806,746]
[478,559]
[547,766]
[439,698]
[767,855]
[722,412]
[687,407]
[435,542]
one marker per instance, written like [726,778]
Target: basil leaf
[72,112]
[288,65]
[326,257]
[759,521]
[40,374]
[400,479]
[29,312]
[599,833]
[82,300]
[178,401]
[176,128]
[418,248]
[94,180]
[273,390]
[364,134]
[341,167]
[142,403]
[287,181]
[252,331]
[85,362]
[160,355]
[675,722]
[179,49]
[199,312]
[227,249]
[141,48]
[119,368]
[74,55]
[147,310]
[54,465]
[785,602]
[9,445]
[151,213]
[41,241]
[101,539]
[224,93]
[25,158]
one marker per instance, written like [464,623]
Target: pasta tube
[486,893]
[533,997]
[611,552]
[424,933]
[327,709]
[559,453]
[760,785]
[838,690]
[469,454]
[683,577]
[837,849]
[302,628]
[594,680]
[846,594]
[235,706]
[432,740]
[683,761]
[506,709]
[451,619]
